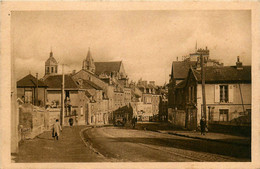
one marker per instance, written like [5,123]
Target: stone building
[145,100]
[228,95]
[32,90]
[74,97]
[179,72]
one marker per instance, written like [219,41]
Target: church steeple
[51,54]
[51,65]
[88,63]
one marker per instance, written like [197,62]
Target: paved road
[118,144]
[69,148]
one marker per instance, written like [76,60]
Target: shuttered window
[230,93]
[217,93]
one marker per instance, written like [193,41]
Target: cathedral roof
[107,67]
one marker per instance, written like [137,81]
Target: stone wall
[31,121]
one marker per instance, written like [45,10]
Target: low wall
[230,129]
[176,117]
[31,121]
[179,119]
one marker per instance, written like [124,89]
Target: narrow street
[118,144]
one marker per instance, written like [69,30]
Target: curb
[88,144]
[207,139]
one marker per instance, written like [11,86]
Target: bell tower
[51,65]
[88,63]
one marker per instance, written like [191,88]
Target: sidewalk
[218,137]
[69,148]
[225,138]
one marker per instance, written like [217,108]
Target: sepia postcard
[120,84]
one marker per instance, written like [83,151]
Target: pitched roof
[227,74]
[88,94]
[181,68]
[55,81]
[87,84]
[30,81]
[107,67]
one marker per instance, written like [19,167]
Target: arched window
[51,69]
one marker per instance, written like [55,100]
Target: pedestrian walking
[56,130]
[202,126]
[71,121]
[133,122]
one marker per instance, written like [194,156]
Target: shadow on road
[194,145]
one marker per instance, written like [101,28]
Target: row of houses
[92,94]
[227,91]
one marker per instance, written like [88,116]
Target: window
[56,69]
[223,114]
[48,70]
[28,96]
[51,69]
[223,93]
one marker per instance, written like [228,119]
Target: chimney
[239,64]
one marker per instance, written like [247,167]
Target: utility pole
[36,93]
[62,96]
[203,86]
[241,98]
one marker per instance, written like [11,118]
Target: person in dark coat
[133,122]
[71,121]
[202,126]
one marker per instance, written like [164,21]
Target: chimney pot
[239,64]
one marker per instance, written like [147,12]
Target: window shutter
[217,93]
[230,93]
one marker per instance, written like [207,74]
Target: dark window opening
[223,93]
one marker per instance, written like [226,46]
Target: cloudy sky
[146,41]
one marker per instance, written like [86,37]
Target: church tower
[88,63]
[51,65]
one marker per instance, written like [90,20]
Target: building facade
[32,90]
[228,95]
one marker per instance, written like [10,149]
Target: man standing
[56,130]
[202,126]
